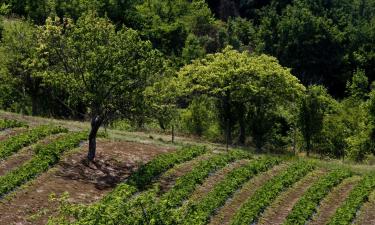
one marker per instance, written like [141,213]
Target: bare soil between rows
[85,183]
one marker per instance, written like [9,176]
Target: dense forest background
[199,68]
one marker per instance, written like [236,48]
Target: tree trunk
[227,117]
[228,133]
[258,143]
[34,105]
[172,133]
[241,121]
[96,122]
[308,143]
[161,124]
[294,140]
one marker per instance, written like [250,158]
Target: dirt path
[333,201]
[85,184]
[22,156]
[215,178]
[168,179]
[367,212]
[283,205]
[226,213]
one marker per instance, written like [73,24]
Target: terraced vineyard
[191,185]
[202,194]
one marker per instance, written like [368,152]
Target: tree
[17,51]
[235,78]
[310,45]
[168,24]
[161,99]
[312,111]
[97,64]
[4,9]
[358,87]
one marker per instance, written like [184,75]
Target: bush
[200,118]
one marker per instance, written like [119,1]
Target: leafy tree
[97,64]
[4,10]
[234,78]
[17,51]
[275,91]
[358,87]
[168,23]
[312,112]
[309,44]
[198,117]
[242,34]
[161,99]
[193,49]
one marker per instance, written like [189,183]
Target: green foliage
[105,68]
[311,37]
[168,23]
[6,124]
[348,210]
[161,98]
[308,203]
[358,87]
[242,34]
[235,78]
[193,49]
[199,117]
[313,108]
[17,142]
[45,156]
[198,212]
[16,52]
[332,140]
[358,146]
[92,64]
[1,26]
[255,205]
